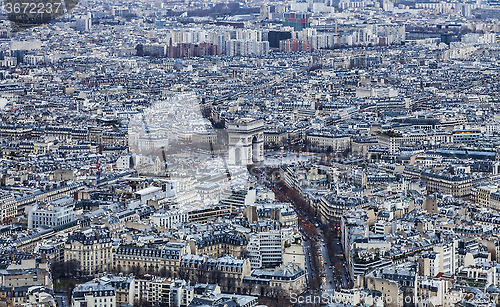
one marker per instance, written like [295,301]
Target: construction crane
[98,172]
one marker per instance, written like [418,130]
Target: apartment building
[220,243]
[151,259]
[332,206]
[8,206]
[289,278]
[57,213]
[210,213]
[458,185]
[265,249]
[334,142]
[170,219]
[92,249]
[156,290]
[93,294]
[446,262]
[482,194]
[231,269]
[180,294]
[394,140]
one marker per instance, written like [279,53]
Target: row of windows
[101,300]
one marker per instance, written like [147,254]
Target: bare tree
[183,273]
[135,270]
[68,288]
[142,303]
[164,272]
[151,270]
[216,276]
[65,269]
[202,274]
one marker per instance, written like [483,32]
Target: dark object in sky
[25,14]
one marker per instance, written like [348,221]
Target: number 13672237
[33,8]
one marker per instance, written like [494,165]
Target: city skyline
[255,153]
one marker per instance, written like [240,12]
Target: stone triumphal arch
[246,141]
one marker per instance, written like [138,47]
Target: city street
[332,268]
[335,269]
[307,253]
[250,153]
[62,300]
[329,274]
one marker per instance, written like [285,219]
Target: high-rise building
[84,24]
[266,249]
[298,21]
